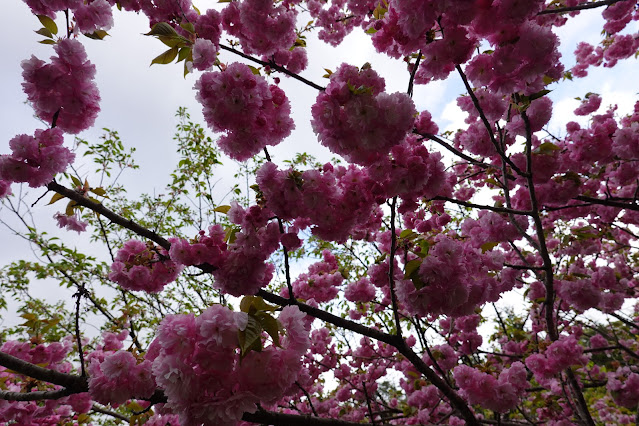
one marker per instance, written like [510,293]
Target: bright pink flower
[143,267]
[35,160]
[354,118]
[63,88]
[262,27]
[252,113]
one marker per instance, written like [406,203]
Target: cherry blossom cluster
[208,27]
[462,332]
[615,46]
[320,283]
[491,227]
[560,355]
[197,363]
[411,172]
[64,88]
[143,267]
[238,254]
[116,375]
[602,289]
[623,384]
[447,33]
[35,159]
[245,268]
[454,279]
[203,249]
[501,394]
[319,196]
[162,10]
[293,60]
[334,21]
[262,27]
[89,16]
[356,119]
[242,104]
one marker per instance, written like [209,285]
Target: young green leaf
[48,23]
[166,57]
[162,29]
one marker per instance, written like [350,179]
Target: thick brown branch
[113,217]
[35,396]
[73,383]
[280,419]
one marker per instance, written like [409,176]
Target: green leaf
[270,325]
[371,30]
[188,27]
[173,41]
[488,246]
[411,267]
[44,32]
[424,246]
[48,23]
[379,12]
[77,182]
[46,41]
[29,316]
[229,238]
[250,338]
[546,148]
[70,207]
[99,191]
[97,35]
[539,94]
[245,303]
[162,29]
[166,57]
[254,70]
[222,209]
[252,304]
[408,234]
[56,197]
[184,53]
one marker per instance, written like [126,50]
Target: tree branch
[102,410]
[582,6]
[113,217]
[36,396]
[483,207]
[608,202]
[273,65]
[76,384]
[452,149]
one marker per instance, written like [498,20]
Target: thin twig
[273,65]
[581,6]
[308,397]
[78,295]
